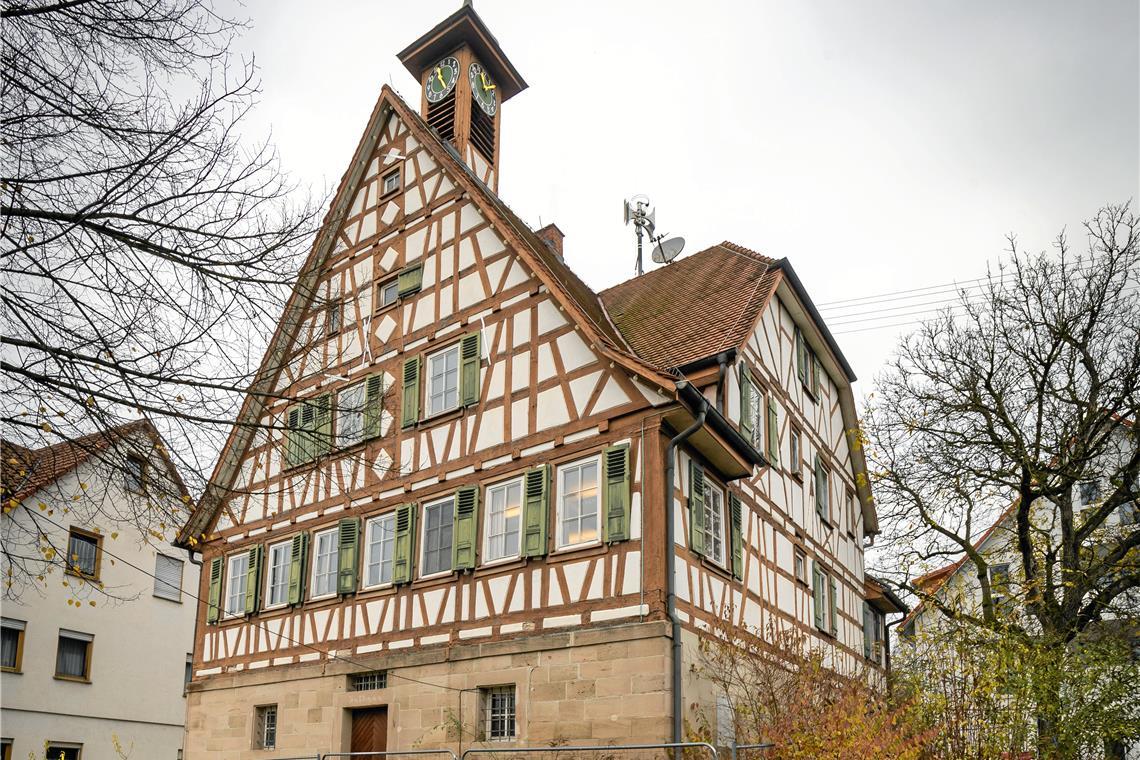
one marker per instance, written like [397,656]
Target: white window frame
[260,724]
[231,576]
[390,283]
[488,501]
[342,413]
[562,470]
[799,566]
[384,189]
[374,525]
[796,453]
[711,515]
[286,548]
[448,503]
[429,409]
[335,562]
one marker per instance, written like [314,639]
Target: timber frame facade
[447,482]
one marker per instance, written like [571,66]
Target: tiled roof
[695,307]
[28,470]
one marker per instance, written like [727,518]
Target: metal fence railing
[384,755]
[735,748]
[608,748]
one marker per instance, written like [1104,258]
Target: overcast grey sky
[880,145]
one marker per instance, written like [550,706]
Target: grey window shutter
[373,404]
[833,601]
[737,515]
[410,412]
[820,489]
[747,414]
[411,279]
[348,553]
[696,508]
[215,598]
[801,357]
[298,553]
[536,508]
[466,526]
[404,550]
[470,355]
[816,374]
[253,580]
[615,474]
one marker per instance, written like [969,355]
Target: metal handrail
[762,745]
[394,753]
[590,748]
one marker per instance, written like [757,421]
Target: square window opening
[391,182]
[387,293]
[498,707]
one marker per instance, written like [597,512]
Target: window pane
[277,580]
[578,504]
[9,645]
[71,657]
[437,537]
[381,540]
[82,552]
[237,578]
[504,511]
[350,415]
[325,564]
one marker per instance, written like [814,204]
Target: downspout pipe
[671,564]
[670,538]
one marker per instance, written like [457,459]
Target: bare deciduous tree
[1030,390]
[147,251]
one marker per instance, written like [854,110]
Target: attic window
[135,474]
[391,182]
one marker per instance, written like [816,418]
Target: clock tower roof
[464,26]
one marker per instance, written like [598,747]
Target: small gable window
[135,474]
[391,182]
[387,293]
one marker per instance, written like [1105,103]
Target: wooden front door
[370,730]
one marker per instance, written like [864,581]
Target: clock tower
[465,77]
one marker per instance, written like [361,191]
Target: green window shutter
[348,545]
[373,405]
[402,555]
[817,593]
[801,357]
[293,441]
[469,358]
[816,374]
[536,507]
[463,547]
[867,623]
[298,553]
[307,427]
[747,414]
[322,424]
[411,279]
[820,493]
[615,474]
[215,599]
[737,516]
[696,508]
[834,602]
[253,580]
[773,431]
[411,396]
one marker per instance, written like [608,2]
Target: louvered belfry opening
[482,131]
[441,117]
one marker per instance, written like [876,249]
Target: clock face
[441,79]
[483,89]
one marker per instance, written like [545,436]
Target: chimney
[553,237]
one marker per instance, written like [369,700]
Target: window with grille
[370,681]
[168,578]
[498,713]
[265,727]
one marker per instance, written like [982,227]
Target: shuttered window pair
[452,380]
[594,505]
[756,422]
[824,600]
[808,367]
[707,536]
[356,416]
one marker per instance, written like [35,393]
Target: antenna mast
[644,222]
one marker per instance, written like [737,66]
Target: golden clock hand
[439,76]
[486,86]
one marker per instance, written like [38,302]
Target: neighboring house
[96,656]
[465,484]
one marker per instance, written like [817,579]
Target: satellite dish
[666,251]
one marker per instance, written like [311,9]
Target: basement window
[265,727]
[498,713]
[370,681]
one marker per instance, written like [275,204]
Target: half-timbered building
[470,499]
